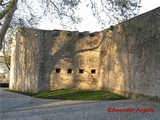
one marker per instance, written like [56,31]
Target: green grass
[73,94]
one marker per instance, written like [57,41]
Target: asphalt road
[19,107]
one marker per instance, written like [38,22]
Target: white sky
[89,23]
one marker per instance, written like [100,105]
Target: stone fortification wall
[124,58]
[49,60]
[25,61]
[130,56]
[71,59]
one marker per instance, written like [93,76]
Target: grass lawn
[73,94]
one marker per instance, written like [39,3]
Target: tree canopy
[27,13]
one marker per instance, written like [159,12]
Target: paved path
[20,107]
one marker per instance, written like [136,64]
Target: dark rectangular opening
[69,34]
[93,71]
[81,70]
[58,70]
[92,35]
[55,33]
[69,71]
[81,34]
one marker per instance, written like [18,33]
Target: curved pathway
[19,107]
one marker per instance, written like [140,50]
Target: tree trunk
[7,21]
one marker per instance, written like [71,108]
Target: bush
[4,84]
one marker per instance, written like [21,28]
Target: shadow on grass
[73,94]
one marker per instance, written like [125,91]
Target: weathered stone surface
[25,64]
[130,56]
[124,59]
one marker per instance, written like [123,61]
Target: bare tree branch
[64,10]
[1,1]
[6,23]
[8,8]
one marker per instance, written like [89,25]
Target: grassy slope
[73,94]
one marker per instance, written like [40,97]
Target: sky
[89,23]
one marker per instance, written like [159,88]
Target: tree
[6,47]
[6,16]
[12,14]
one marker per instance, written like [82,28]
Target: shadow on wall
[76,51]
[25,61]
[129,61]
[123,58]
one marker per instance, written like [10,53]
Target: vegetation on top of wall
[111,27]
